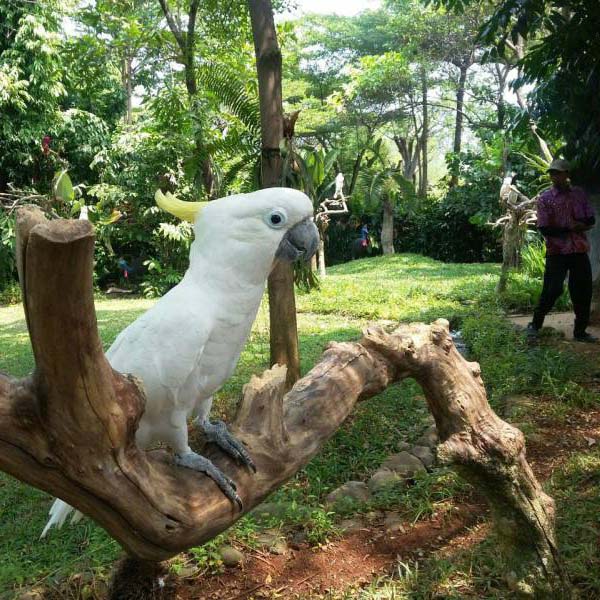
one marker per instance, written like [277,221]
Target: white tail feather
[59,512]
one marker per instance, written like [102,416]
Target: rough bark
[387,228]
[595,309]
[321,254]
[282,302]
[519,49]
[355,171]
[69,428]
[513,241]
[127,81]
[502,72]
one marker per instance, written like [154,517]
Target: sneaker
[586,337]
[532,332]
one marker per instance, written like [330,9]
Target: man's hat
[559,164]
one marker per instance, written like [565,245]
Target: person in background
[564,214]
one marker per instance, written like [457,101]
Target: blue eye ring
[276,218]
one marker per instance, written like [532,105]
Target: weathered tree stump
[69,428]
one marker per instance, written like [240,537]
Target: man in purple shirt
[564,214]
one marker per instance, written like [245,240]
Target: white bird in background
[187,345]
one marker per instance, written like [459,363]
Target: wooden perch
[69,428]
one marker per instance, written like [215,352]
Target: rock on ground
[350,525]
[273,541]
[266,510]
[230,556]
[424,454]
[393,523]
[403,464]
[353,490]
[429,438]
[384,479]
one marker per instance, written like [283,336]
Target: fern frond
[226,85]
[235,169]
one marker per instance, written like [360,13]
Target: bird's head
[271,223]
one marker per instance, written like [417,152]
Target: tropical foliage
[409,101]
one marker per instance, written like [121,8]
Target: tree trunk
[410,151]
[387,228]
[595,312]
[69,428]
[502,72]
[423,180]
[322,269]
[355,171]
[594,238]
[519,50]
[127,77]
[458,127]
[282,303]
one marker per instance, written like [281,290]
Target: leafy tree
[195,27]
[124,36]
[562,63]
[31,88]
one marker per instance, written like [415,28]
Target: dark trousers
[580,288]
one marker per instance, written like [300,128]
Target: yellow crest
[186,211]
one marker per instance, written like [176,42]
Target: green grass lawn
[398,288]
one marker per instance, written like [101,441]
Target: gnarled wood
[487,451]
[69,428]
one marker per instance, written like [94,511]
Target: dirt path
[562,322]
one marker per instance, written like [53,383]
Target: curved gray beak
[301,241]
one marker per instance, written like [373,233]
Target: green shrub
[8,268]
[534,258]
[11,294]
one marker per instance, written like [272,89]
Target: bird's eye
[276,219]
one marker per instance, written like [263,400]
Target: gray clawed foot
[196,462]
[217,432]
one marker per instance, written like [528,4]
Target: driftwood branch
[69,428]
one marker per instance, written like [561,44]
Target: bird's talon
[217,432]
[201,464]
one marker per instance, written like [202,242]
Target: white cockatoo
[339,186]
[186,346]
